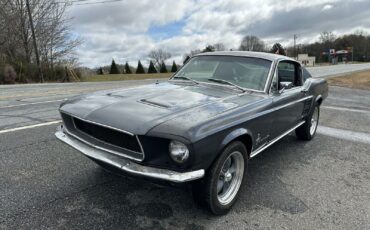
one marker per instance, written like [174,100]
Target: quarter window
[288,72]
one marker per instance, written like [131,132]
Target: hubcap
[230,178]
[314,120]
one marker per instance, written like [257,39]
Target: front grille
[108,135]
[115,141]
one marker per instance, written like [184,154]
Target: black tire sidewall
[303,132]
[213,175]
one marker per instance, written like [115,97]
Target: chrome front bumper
[126,164]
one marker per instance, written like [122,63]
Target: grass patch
[122,77]
[360,80]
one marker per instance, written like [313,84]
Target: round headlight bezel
[178,151]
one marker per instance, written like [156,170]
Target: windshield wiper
[227,83]
[186,78]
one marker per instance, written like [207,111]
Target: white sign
[342,52]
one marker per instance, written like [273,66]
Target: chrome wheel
[314,121]
[230,178]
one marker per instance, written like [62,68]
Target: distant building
[306,60]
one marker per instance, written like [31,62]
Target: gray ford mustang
[202,125]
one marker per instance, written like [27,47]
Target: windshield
[246,72]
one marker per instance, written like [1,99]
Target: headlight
[178,151]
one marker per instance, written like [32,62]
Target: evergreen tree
[114,68]
[140,68]
[100,71]
[174,67]
[209,48]
[163,68]
[277,48]
[152,69]
[127,68]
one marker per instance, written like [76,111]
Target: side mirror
[285,85]
[307,85]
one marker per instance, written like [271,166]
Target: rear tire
[220,187]
[308,130]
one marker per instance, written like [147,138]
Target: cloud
[130,16]
[327,7]
[128,30]
[308,22]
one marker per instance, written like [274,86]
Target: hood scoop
[153,103]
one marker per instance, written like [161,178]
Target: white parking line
[29,126]
[344,134]
[33,103]
[346,109]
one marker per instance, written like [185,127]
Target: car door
[288,103]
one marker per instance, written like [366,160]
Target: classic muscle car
[202,125]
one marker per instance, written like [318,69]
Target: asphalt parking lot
[321,184]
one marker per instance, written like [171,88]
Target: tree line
[357,43]
[140,69]
[248,43]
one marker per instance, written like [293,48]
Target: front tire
[221,186]
[308,130]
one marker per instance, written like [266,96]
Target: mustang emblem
[261,140]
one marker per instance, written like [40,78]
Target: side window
[289,72]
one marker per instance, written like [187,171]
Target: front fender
[239,132]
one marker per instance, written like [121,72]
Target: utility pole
[295,50]
[34,42]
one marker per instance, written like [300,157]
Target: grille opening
[108,135]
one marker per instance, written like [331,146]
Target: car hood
[139,109]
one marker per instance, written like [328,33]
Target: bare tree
[252,43]
[54,35]
[208,48]
[193,52]
[9,23]
[327,37]
[219,47]
[186,56]
[51,26]
[158,56]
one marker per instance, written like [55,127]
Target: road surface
[327,71]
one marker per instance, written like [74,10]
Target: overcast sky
[127,30]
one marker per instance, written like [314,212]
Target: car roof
[263,55]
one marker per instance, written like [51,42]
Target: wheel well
[246,140]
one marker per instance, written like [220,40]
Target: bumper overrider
[125,164]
